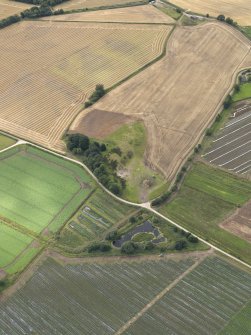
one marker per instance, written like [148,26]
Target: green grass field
[240,324]
[245,92]
[207,196]
[39,190]
[132,138]
[12,243]
[5,142]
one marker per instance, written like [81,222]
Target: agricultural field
[167,296]
[230,146]
[59,64]
[12,244]
[238,10]
[175,121]
[207,197]
[8,8]
[137,14]
[209,295]
[79,4]
[39,192]
[240,222]
[95,217]
[6,142]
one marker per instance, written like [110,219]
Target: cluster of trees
[35,11]
[95,156]
[9,20]
[99,246]
[228,20]
[96,95]
[49,3]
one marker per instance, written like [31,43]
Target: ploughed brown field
[239,10]
[179,96]
[137,14]
[240,222]
[49,68]
[8,8]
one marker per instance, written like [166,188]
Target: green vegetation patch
[6,142]
[247,31]
[219,184]
[12,243]
[200,205]
[94,218]
[240,323]
[38,189]
[243,93]
[143,237]
[141,181]
[174,13]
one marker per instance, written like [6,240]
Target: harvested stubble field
[39,190]
[78,4]
[239,10]
[8,8]
[129,297]
[178,96]
[137,14]
[59,64]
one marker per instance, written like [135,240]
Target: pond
[145,227]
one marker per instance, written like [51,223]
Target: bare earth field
[76,4]
[178,96]
[8,8]
[108,123]
[239,10]
[240,222]
[49,68]
[137,14]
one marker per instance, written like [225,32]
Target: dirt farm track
[178,96]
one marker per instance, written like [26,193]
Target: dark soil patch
[99,124]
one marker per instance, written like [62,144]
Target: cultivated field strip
[78,4]
[175,121]
[8,8]
[137,14]
[239,10]
[201,303]
[45,193]
[59,64]
[232,148]
[86,299]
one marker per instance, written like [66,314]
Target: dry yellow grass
[137,14]
[78,4]
[8,8]
[239,10]
[48,68]
[179,95]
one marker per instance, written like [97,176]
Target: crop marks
[168,97]
[59,64]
